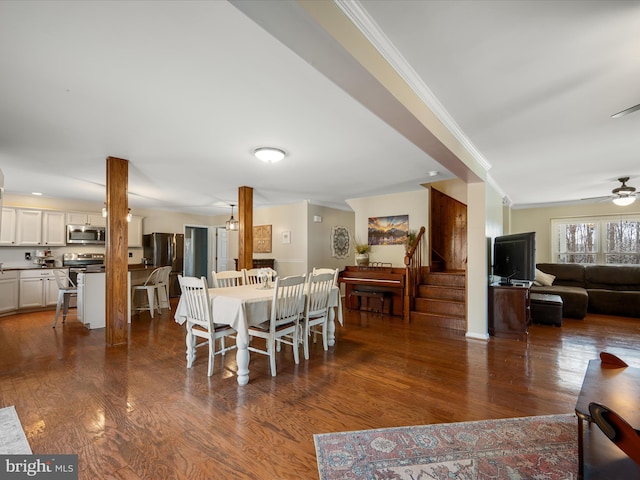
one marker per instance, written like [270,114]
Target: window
[606,240]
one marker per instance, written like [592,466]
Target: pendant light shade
[232,223]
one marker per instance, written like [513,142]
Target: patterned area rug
[543,447]
[13,441]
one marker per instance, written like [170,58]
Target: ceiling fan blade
[626,111]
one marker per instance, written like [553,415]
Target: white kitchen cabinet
[8,291]
[28,227]
[8,231]
[54,229]
[81,218]
[38,288]
[135,232]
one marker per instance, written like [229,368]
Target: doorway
[196,251]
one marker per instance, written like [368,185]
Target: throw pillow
[543,279]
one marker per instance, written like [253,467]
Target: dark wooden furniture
[387,282]
[379,296]
[264,263]
[546,309]
[509,311]
[619,389]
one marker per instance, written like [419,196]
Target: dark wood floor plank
[138,413]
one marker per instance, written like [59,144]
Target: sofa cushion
[567,274]
[543,279]
[574,299]
[614,302]
[613,277]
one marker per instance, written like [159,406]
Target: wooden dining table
[248,305]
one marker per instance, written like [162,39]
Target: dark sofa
[608,289]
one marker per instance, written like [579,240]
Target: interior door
[221,250]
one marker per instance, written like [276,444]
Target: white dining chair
[255,276]
[66,290]
[316,313]
[227,278]
[333,271]
[284,323]
[200,324]
[150,287]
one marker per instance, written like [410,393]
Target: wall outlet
[27,255]
[130,254]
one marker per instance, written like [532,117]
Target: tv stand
[509,310]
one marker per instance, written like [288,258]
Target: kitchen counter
[27,267]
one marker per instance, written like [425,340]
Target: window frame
[600,222]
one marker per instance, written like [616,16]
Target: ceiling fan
[626,111]
[622,195]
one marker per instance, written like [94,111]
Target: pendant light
[232,223]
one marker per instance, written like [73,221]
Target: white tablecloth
[247,305]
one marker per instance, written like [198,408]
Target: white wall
[415,204]
[319,236]
[291,258]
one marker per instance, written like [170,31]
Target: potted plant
[411,238]
[362,253]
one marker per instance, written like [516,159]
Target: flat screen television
[514,257]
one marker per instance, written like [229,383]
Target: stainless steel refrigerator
[163,249]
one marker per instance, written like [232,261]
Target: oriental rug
[13,441]
[542,447]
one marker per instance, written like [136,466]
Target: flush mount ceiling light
[232,223]
[269,154]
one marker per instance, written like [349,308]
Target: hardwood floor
[137,412]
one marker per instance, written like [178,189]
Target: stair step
[442,292]
[442,321]
[454,279]
[440,306]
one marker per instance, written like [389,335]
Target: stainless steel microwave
[86,234]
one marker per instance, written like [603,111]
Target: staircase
[441,300]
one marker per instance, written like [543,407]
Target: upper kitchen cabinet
[54,229]
[79,218]
[135,232]
[28,227]
[32,227]
[8,231]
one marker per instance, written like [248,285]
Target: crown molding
[370,29]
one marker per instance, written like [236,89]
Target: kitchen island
[91,299]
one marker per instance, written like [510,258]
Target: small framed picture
[286,237]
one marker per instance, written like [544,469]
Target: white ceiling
[185,90]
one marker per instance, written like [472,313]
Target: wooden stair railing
[413,268]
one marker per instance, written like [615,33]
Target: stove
[79,262]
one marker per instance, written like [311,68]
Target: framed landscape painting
[391,230]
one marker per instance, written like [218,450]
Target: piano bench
[380,296]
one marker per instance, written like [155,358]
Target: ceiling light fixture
[105,213]
[626,194]
[269,154]
[624,200]
[232,223]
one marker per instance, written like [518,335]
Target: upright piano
[386,280]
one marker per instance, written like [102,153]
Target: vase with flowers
[362,253]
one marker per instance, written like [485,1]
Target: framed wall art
[391,230]
[340,242]
[262,239]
